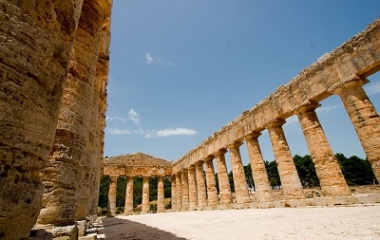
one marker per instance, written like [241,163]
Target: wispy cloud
[153,134]
[133,116]
[325,109]
[150,59]
[118,131]
[372,88]
[175,132]
[116,118]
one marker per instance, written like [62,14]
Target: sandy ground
[343,222]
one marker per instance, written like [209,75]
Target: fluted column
[111,208]
[290,180]
[178,184]
[160,195]
[241,189]
[174,193]
[365,119]
[145,207]
[259,172]
[128,207]
[212,192]
[330,175]
[224,183]
[193,198]
[201,185]
[185,190]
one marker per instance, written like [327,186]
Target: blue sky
[182,69]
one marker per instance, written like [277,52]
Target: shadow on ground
[122,229]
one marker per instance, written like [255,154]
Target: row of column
[193,188]
[128,207]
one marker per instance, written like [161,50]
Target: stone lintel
[352,81]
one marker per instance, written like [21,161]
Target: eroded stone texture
[193,195]
[185,190]
[36,39]
[128,207]
[224,183]
[290,181]
[259,172]
[145,207]
[365,119]
[201,187]
[174,193]
[160,195]
[330,176]
[178,184]
[73,162]
[111,208]
[241,189]
[212,192]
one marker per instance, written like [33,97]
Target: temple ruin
[54,58]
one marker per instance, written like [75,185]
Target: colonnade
[128,206]
[196,172]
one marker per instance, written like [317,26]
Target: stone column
[174,193]
[259,172]
[111,208]
[128,207]
[212,192]
[201,186]
[35,51]
[330,176]
[160,195]
[241,189]
[223,180]
[185,190]
[365,119]
[145,207]
[179,191]
[193,198]
[290,180]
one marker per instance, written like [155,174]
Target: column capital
[220,152]
[353,81]
[191,167]
[113,177]
[311,106]
[252,135]
[235,144]
[209,158]
[200,163]
[275,123]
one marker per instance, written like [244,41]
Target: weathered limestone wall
[36,38]
[360,56]
[73,161]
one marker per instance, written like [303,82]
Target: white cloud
[149,58]
[372,88]
[118,131]
[175,132]
[157,60]
[116,118]
[133,116]
[329,108]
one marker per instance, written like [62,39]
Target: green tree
[103,191]
[248,176]
[306,170]
[272,172]
[356,171]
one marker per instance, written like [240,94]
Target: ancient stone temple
[131,166]
[54,58]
